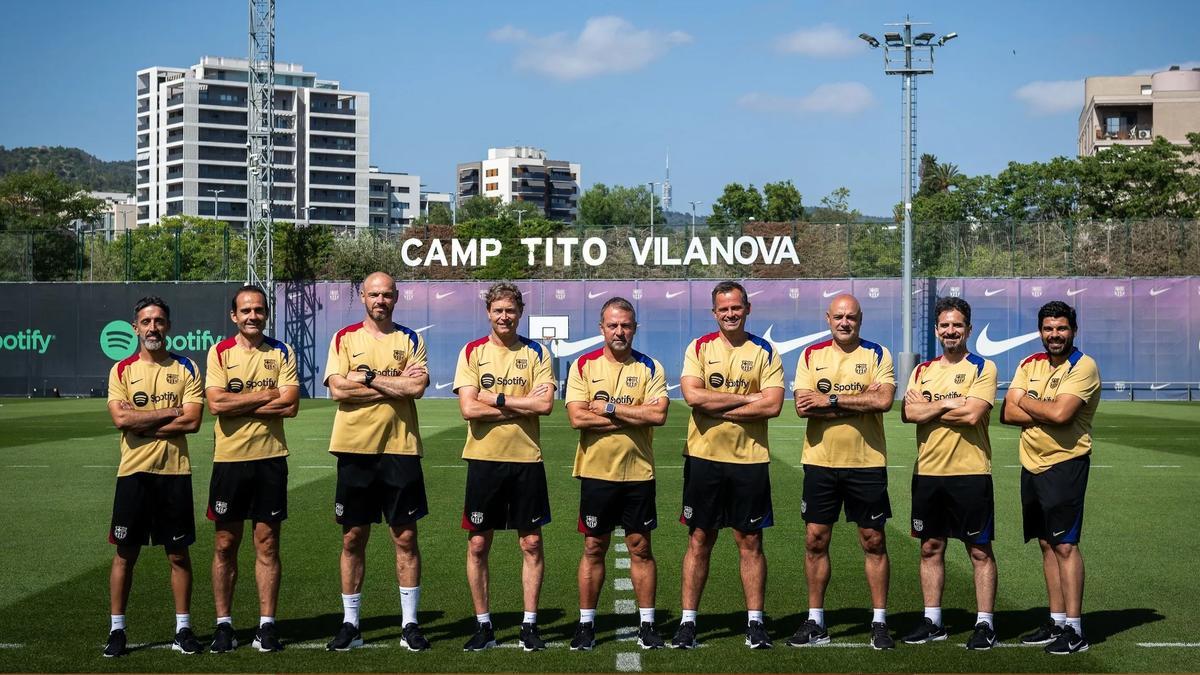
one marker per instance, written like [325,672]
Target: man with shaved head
[843,386]
[376,370]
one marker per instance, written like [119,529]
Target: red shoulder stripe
[590,356]
[224,346]
[1040,356]
[814,347]
[923,366]
[337,339]
[473,344]
[705,339]
[125,364]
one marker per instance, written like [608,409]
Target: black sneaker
[809,634]
[265,639]
[116,644]
[186,642]
[685,637]
[223,639]
[647,638]
[413,639]
[348,637]
[530,640]
[484,638]
[585,637]
[756,636]
[880,639]
[983,639]
[927,631]
[1044,635]
[1068,642]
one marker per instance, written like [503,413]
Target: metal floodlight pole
[694,204]
[908,57]
[260,123]
[216,203]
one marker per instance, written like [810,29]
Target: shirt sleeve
[193,389]
[1020,378]
[543,373]
[692,367]
[657,387]
[214,374]
[418,357]
[287,369]
[885,371]
[466,373]
[116,386]
[1083,381]
[772,375]
[576,387]
[984,386]
[804,379]
[338,361]
[912,378]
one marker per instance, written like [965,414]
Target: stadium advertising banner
[1144,333]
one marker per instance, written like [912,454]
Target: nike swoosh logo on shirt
[483,363]
[355,356]
[181,536]
[1060,533]
[133,382]
[231,367]
[877,516]
[820,368]
[599,380]
[712,362]
[972,534]
[789,345]
[275,513]
[985,346]
[674,294]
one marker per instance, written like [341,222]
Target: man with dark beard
[1053,398]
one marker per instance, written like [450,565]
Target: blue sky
[739,91]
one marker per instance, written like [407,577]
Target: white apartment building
[191,145]
[398,198]
[523,173]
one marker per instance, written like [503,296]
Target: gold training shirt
[149,386]
[947,449]
[232,368]
[849,442]
[747,369]
[625,454]
[512,371]
[388,426]
[1044,445]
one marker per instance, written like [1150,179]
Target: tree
[39,200]
[439,214]
[784,203]
[1125,182]
[478,207]
[617,205]
[302,253]
[738,204]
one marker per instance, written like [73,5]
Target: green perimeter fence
[825,250]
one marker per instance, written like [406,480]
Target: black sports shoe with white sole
[685,636]
[809,634]
[983,639]
[223,639]
[348,637]
[116,644]
[484,638]
[265,639]
[880,638]
[186,643]
[531,641]
[927,631]
[1044,635]
[1068,642]
[648,638]
[585,637]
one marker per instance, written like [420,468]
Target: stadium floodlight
[908,57]
[869,39]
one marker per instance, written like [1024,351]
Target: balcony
[175,100]
[331,196]
[333,125]
[325,143]
[226,99]
[331,178]
[143,106]
[1125,133]
[336,161]
[143,124]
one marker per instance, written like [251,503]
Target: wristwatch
[499,400]
[368,377]
[833,401]
[610,408]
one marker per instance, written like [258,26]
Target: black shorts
[961,507]
[724,494]
[383,487]
[605,504]
[153,507]
[1052,501]
[252,490]
[505,496]
[863,492]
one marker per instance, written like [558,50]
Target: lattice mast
[260,120]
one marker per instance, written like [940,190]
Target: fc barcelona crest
[271,364]
[637,294]
[1054,383]
[477,517]
[398,354]
[960,378]
[120,532]
[172,378]
[873,292]
[631,381]
[339,510]
[560,294]
[687,512]
[221,508]
[591,522]
[409,294]
[747,366]
[521,364]
[918,525]
[861,369]
[793,293]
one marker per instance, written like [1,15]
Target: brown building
[1134,109]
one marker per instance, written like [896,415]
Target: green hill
[71,164]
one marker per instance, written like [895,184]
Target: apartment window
[492,172]
[1112,125]
[1147,90]
[492,186]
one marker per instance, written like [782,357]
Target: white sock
[529,617]
[646,614]
[754,615]
[878,615]
[817,614]
[1076,623]
[116,622]
[350,604]
[182,621]
[409,597]
[985,617]
[688,615]
[587,615]
[225,619]
[486,617]
[934,614]
[264,620]
[1059,618]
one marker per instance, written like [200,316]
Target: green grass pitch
[57,468]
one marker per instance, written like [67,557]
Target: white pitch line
[629,662]
[321,645]
[516,644]
[622,548]
[622,563]
[29,466]
[1161,466]
[1186,645]
[314,466]
[448,466]
[99,466]
[623,584]
[624,606]
[627,634]
[11,645]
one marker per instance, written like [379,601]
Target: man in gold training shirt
[251,386]
[1053,398]
[376,370]
[155,399]
[616,395]
[504,383]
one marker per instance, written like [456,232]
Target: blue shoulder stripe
[644,360]
[412,334]
[766,346]
[976,361]
[875,347]
[1074,358]
[278,344]
[541,352]
[185,362]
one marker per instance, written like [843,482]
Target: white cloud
[837,97]
[825,41]
[607,44]
[1183,65]
[1051,97]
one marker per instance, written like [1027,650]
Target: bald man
[375,371]
[843,386]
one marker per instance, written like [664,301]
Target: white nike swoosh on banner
[673,386]
[830,294]
[439,295]
[422,329]
[1075,291]
[751,295]
[989,292]
[790,345]
[673,294]
[1158,291]
[563,348]
[1157,387]
[593,296]
[985,346]
[442,385]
